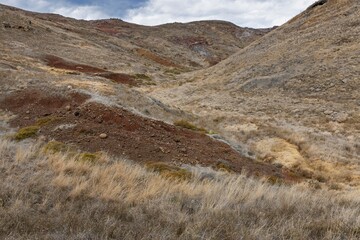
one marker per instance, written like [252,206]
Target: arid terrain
[201,130]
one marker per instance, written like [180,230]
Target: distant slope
[123,46]
[316,54]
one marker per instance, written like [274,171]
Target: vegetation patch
[185,124]
[87,157]
[144,79]
[26,132]
[169,171]
[173,71]
[45,121]
[55,147]
[223,166]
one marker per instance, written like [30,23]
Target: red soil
[57,62]
[137,138]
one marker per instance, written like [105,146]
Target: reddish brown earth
[57,62]
[138,138]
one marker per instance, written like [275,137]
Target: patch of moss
[185,124]
[45,121]
[55,147]
[26,132]
[169,171]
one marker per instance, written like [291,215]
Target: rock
[183,150]
[69,87]
[27,112]
[103,135]
[345,80]
[27,118]
[68,108]
[341,117]
[328,112]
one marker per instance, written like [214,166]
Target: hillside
[201,130]
[79,79]
[291,97]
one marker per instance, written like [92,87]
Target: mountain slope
[295,90]
[78,82]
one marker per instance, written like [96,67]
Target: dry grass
[54,196]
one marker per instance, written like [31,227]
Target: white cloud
[81,12]
[249,13]
[255,13]
[62,7]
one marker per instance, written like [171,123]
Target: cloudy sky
[247,13]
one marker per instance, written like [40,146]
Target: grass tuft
[185,124]
[26,132]
[45,121]
[55,147]
[87,157]
[169,171]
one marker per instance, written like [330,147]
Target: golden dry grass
[54,196]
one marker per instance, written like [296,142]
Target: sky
[244,13]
